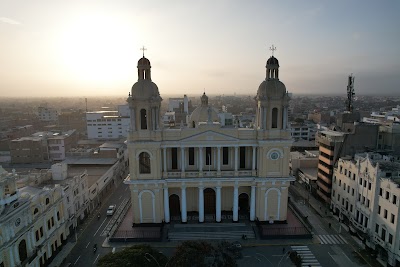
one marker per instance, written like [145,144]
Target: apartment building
[349,139]
[42,147]
[365,195]
[47,114]
[303,131]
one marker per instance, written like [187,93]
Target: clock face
[274,155]
[17,222]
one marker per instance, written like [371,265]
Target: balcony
[323,187]
[326,160]
[211,173]
[326,151]
[324,169]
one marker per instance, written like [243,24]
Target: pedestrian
[283,250]
[329,224]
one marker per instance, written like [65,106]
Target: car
[111,210]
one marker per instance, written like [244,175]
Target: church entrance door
[243,203]
[174,205]
[209,201]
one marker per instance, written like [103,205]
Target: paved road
[90,232]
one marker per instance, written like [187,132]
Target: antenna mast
[350,93]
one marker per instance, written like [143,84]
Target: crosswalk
[308,258]
[332,239]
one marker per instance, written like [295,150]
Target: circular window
[274,155]
[17,222]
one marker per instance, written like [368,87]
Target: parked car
[111,209]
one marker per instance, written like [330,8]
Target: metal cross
[143,49]
[273,49]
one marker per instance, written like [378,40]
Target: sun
[96,48]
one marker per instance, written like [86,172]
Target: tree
[139,255]
[202,254]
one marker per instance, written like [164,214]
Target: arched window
[274,118]
[143,119]
[193,124]
[23,254]
[144,163]
[47,201]
[35,211]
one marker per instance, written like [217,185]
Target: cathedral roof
[272,61]
[271,89]
[204,113]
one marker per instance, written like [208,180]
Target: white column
[165,158]
[182,159]
[166,205]
[253,203]
[236,158]
[264,118]
[253,167]
[218,205]
[28,241]
[201,204]
[235,203]
[183,208]
[219,159]
[284,121]
[11,256]
[16,254]
[200,159]
[133,119]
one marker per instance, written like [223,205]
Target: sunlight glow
[98,48]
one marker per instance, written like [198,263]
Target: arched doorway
[243,203]
[209,201]
[23,254]
[174,205]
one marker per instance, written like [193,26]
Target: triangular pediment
[209,136]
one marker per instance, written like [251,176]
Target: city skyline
[92,48]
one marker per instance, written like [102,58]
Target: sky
[91,48]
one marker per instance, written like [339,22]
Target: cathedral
[206,169]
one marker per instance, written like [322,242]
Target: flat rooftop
[94,172]
[90,161]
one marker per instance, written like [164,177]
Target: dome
[271,89]
[273,61]
[143,62]
[144,89]
[203,113]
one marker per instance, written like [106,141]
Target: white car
[111,210]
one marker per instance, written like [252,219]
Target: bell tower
[144,102]
[272,99]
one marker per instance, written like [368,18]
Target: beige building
[32,223]
[365,195]
[205,168]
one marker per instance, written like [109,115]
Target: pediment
[210,136]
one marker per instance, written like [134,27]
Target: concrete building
[365,196]
[42,147]
[204,167]
[108,124]
[351,138]
[47,114]
[303,131]
[32,223]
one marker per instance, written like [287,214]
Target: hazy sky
[84,48]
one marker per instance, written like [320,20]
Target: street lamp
[146,255]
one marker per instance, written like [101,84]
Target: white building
[47,114]
[204,167]
[108,124]
[366,196]
[303,131]
[32,223]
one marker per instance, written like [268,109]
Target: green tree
[202,254]
[139,255]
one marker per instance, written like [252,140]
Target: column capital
[201,187]
[218,187]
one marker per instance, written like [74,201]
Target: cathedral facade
[204,168]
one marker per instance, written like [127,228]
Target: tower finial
[143,49]
[273,49]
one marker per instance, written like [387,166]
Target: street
[91,231]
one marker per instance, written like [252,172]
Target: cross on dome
[143,49]
[273,49]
